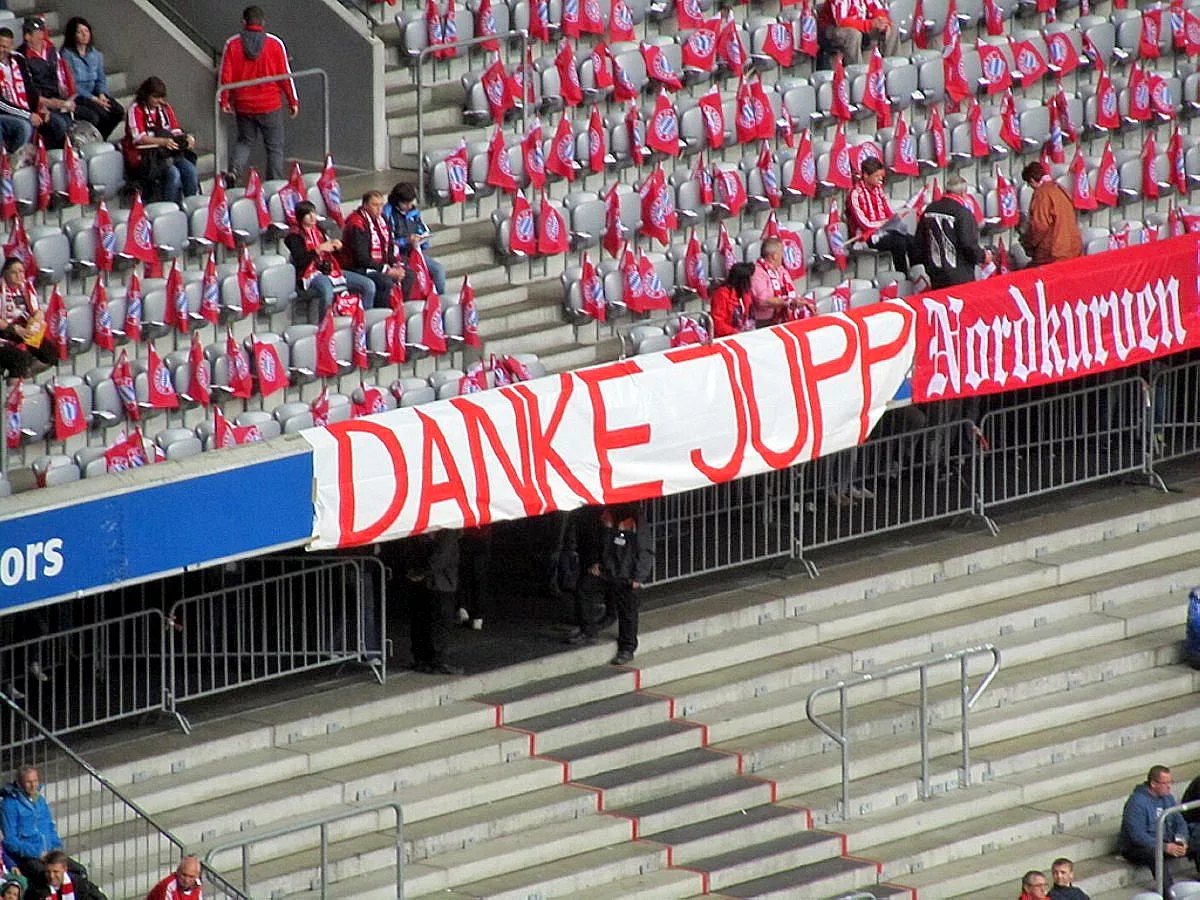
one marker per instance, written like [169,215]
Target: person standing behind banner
[431,569]
[182,884]
[947,239]
[771,286]
[258,108]
[616,565]
[1052,232]
[732,307]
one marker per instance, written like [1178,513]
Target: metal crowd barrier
[841,735]
[1175,402]
[126,852]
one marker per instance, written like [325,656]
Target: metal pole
[421,127]
[268,79]
[845,755]
[1160,862]
[246,868]
[399,851]
[924,728]
[4,441]
[324,861]
[964,695]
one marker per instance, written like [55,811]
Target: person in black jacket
[19,114]
[431,569]
[59,881]
[368,247]
[51,79]
[615,565]
[947,239]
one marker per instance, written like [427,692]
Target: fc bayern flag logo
[624,17]
[703,42]
[69,409]
[1142,94]
[1026,61]
[162,379]
[1058,53]
[267,363]
[660,209]
[993,67]
[712,121]
[1112,180]
[109,241]
[791,255]
[748,112]
[552,227]
[143,231]
[843,163]
[525,226]
[1008,204]
[495,90]
[457,174]
[1109,102]
[593,142]
[566,151]
[1161,94]
[223,214]
[808,27]
[808,168]
[661,69]
[665,127]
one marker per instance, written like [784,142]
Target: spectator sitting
[1139,824]
[28,826]
[52,81]
[18,97]
[1062,872]
[408,230]
[317,268]
[368,247]
[12,886]
[22,324]
[846,24]
[1033,886]
[182,884]
[771,285]
[870,218]
[733,303]
[61,881]
[1052,232]
[253,53]
[93,102]
[947,240]
[158,153]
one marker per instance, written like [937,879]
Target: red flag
[456,173]
[688,14]
[596,142]
[904,156]
[731,189]
[358,339]
[951,30]
[18,245]
[102,332]
[327,363]
[219,229]
[271,374]
[731,52]
[875,96]
[161,387]
[1151,34]
[435,32]
[422,282]
[1107,112]
[712,110]
[1010,124]
[623,89]
[808,42]
[177,299]
[139,239]
[561,160]
[658,67]
[1150,167]
[637,135]
[1160,96]
[953,74]
[8,194]
[496,89]
[568,75]
[659,218]
[122,378]
[793,252]
[470,315]
[699,53]
[695,267]
[199,386]
[539,20]
[1063,57]
[835,237]
[591,292]
[747,114]
[704,176]
[780,44]
[632,294]
[979,135]
[433,333]
[255,193]
[68,413]
[993,16]
[602,67]
[995,76]
[1178,176]
[247,277]
[534,156]
[1139,94]
[1028,61]
[476,379]
[654,294]
[372,403]
[500,173]
[1081,193]
[663,133]
[769,174]
[1108,178]
[77,185]
[804,169]
[920,27]
[57,332]
[210,291]
[937,136]
[241,384]
[1006,200]
[133,308]
[41,164]
[395,335]
[614,230]
[1191,27]
[485,26]
[1176,227]
[1119,239]
[552,235]
[725,247]
[331,191]
[840,174]
[449,32]
[839,106]
[620,22]
[1062,112]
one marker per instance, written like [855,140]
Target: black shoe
[623,657]
[443,668]
[580,639]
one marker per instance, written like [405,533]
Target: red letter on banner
[542,438]
[839,365]
[729,471]
[615,439]
[348,536]
[442,491]
[871,354]
[480,425]
[776,459]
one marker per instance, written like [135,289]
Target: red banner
[1057,322]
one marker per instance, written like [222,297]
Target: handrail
[1159,856]
[180,21]
[78,760]
[267,79]
[507,37]
[322,821]
[922,666]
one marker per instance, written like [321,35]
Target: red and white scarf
[781,282]
[66,892]
[314,238]
[18,305]
[379,238]
[12,84]
[66,83]
[175,892]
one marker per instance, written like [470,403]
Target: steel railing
[1160,825]
[841,736]
[125,850]
[268,79]
[505,39]
[1175,402]
[322,823]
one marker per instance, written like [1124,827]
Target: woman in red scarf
[158,153]
[314,256]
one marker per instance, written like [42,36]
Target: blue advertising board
[140,533]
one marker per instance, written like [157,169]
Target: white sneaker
[477,624]
[462,615]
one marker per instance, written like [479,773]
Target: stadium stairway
[695,770]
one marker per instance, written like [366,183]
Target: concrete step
[821,879]
[683,808]
[536,698]
[771,857]
[574,876]
[633,788]
[528,339]
[665,884]
[592,721]
[690,844]
[519,315]
[586,759]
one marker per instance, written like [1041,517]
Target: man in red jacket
[259,108]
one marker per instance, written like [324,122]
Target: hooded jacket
[27,824]
[256,54]
[9,880]
[1140,817]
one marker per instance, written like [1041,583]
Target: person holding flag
[410,230]
[870,217]
[947,239]
[23,337]
[315,261]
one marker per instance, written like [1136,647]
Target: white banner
[642,427]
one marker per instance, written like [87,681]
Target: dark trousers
[1140,856]
[474,590]
[613,596]
[105,120]
[430,612]
[895,243]
[249,128]
[55,130]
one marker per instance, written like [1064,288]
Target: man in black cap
[51,81]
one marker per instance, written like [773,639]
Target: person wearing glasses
[1139,824]
[182,884]
[1033,886]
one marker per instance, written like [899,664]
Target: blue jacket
[1140,818]
[88,71]
[27,824]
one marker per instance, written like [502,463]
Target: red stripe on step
[532,738]
[670,701]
